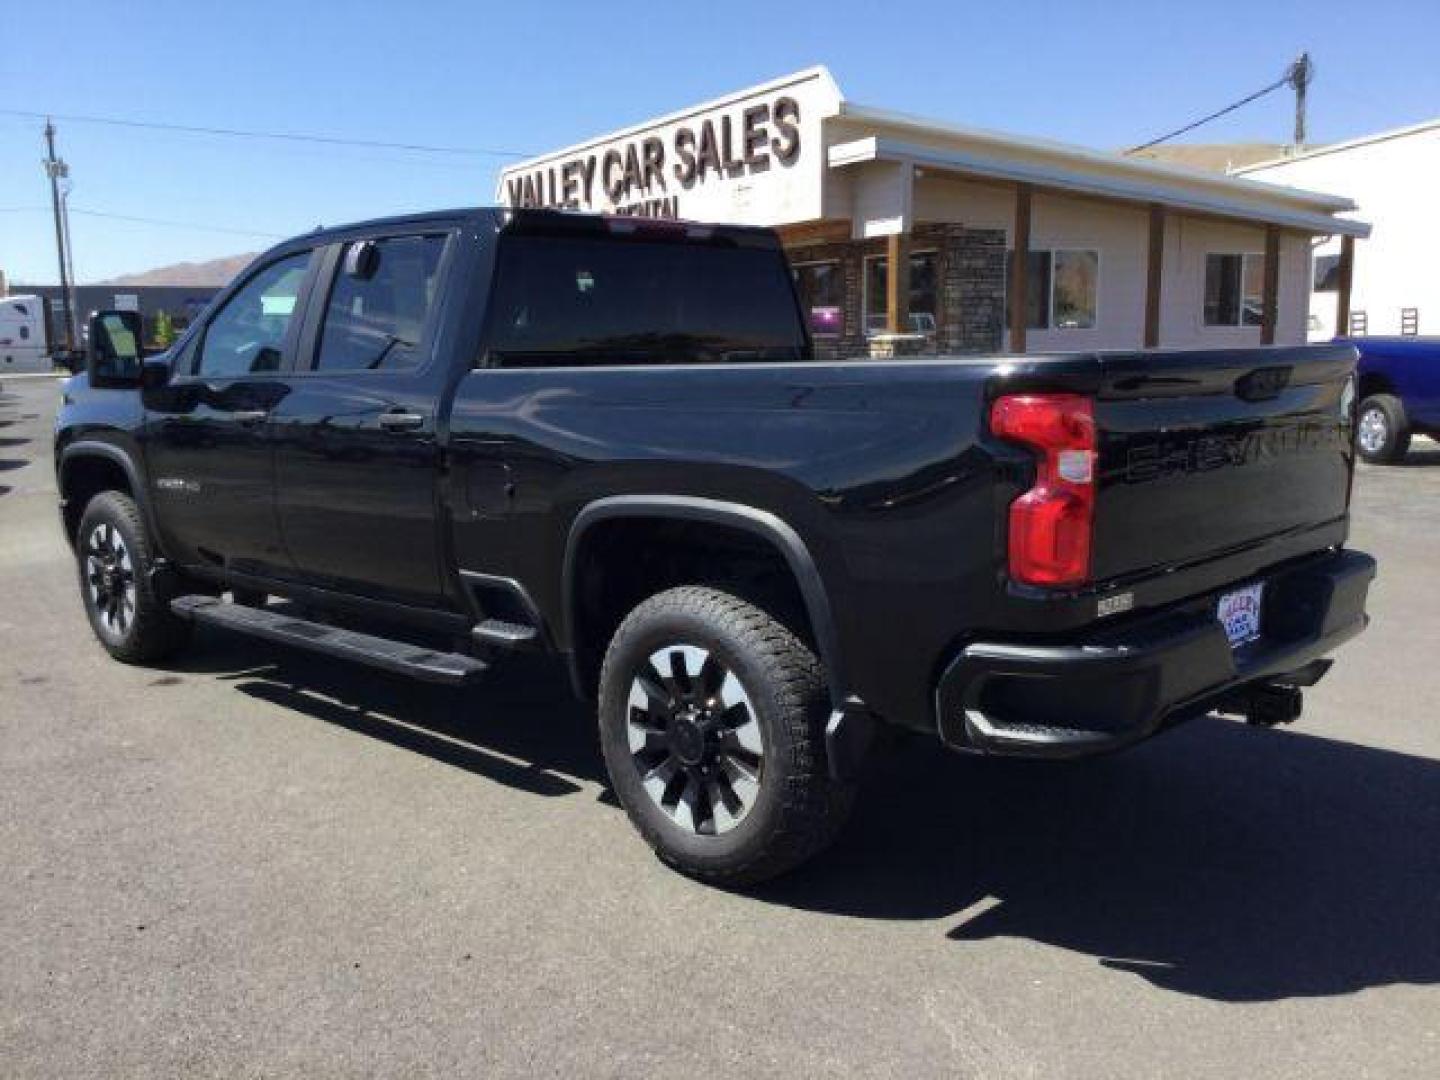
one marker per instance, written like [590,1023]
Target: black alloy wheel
[712,721]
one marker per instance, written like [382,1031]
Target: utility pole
[1300,75]
[74,308]
[57,170]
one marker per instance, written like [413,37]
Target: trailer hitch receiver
[1267,706]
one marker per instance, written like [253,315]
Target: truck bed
[1211,466]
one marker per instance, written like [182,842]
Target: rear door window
[568,301]
[380,304]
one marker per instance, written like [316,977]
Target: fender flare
[762,523]
[91,448]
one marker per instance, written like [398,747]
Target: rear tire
[712,722]
[115,559]
[1383,435]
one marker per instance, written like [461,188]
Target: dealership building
[1118,252]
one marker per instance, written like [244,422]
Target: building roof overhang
[990,155]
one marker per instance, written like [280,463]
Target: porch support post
[1347,280]
[1154,273]
[1019,268]
[1270,303]
[897,283]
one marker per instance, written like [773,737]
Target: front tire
[712,721]
[1383,437]
[115,560]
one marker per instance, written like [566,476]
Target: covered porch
[1159,257]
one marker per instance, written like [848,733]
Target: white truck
[24,345]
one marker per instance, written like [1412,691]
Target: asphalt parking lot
[258,863]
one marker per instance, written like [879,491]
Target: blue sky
[532,77]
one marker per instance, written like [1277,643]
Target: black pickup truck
[427,442]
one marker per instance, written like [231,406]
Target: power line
[287,136]
[1213,116]
[177,225]
[1298,75]
[148,221]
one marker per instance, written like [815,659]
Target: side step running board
[397,656]
[509,635]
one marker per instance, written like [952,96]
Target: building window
[1234,289]
[821,286]
[924,275]
[1062,289]
[1327,273]
[1074,285]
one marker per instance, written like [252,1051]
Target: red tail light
[1052,524]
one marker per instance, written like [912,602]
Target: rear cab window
[581,300]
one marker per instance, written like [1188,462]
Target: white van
[22,335]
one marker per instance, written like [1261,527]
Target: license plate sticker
[1239,613]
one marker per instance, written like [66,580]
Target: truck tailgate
[1203,453]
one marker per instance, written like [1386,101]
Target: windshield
[568,300]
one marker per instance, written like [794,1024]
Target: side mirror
[112,353]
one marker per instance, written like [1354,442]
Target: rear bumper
[1116,685]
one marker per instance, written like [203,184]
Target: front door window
[247,335]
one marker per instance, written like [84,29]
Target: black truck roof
[540,222]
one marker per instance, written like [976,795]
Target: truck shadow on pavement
[11,442]
[9,464]
[1424,453]
[521,729]
[1219,861]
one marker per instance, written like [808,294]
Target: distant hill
[212,274]
[1214,157]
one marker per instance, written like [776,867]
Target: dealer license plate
[1239,613]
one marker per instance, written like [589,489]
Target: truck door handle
[401,421]
[249,416]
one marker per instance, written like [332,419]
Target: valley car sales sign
[750,158]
